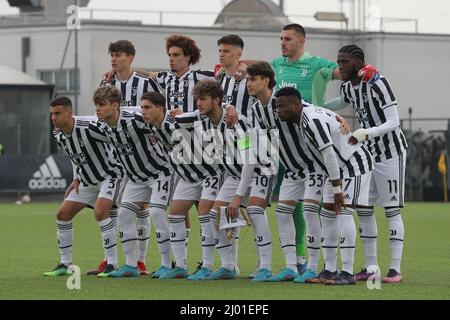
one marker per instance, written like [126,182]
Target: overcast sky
[433,15]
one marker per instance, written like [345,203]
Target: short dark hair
[107,93]
[122,46]
[231,39]
[288,92]
[155,97]
[353,50]
[296,27]
[187,44]
[210,88]
[264,70]
[61,101]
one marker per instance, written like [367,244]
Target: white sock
[224,246]
[128,232]
[143,230]
[113,214]
[347,239]
[186,242]
[108,230]
[178,239]
[286,232]
[64,234]
[235,245]
[208,243]
[330,231]
[396,235]
[368,234]
[313,233]
[261,230]
[159,219]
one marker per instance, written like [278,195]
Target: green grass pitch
[28,248]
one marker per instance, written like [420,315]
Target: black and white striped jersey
[236,94]
[133,89]
[136,146]
[180,90]
[369,102]
[228,150]
[294,154]
[177,135]
[321,129]
[93,160]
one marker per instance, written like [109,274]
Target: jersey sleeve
[187,120]
[203,75]
[153,86]
[97,131]
[161,79]
[382,91]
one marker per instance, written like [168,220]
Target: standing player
[199,181]
[147,170]
[97,176]
[348,171]
[376,108]
[131,85]
[297,159]
[235,92]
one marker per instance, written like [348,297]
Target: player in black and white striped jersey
[345,165]
[97,177]
[300,166]
[199,181]
[235,92]
[146,167]
[179,82]
[375,105]
[132,85]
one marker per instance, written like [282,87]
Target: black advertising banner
[52,173]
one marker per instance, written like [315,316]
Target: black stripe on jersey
[360,163]
[367,106]
[387,151]
[123,90]
[135,86]
[402,137]
[151,83]
[388,88]
[91,164]
[147,152]
[368,157]
[321,131]
[299,149]
[377,149]
[138,159]
[125,159]
[379,110]
[186,92]
[396,143]
[347,163]
[83,173]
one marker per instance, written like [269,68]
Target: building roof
[10,76]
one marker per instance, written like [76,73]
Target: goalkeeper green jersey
[309,74]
